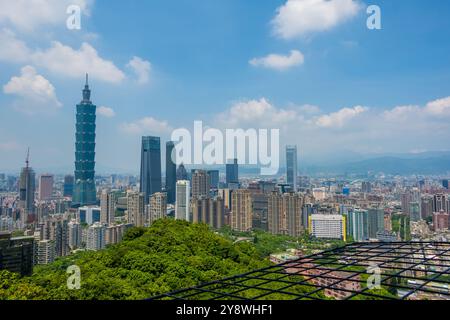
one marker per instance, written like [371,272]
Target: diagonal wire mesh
[358,271]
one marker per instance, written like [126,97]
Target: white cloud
[63,60]
[141,69]
[440,107]
[34,91]
[340,118]
[13,49]
[147,125]
[260,112]
[401,113]
[27,15]
[106,112]
[301,17]
[279,62]
[60,59]
[437,109]
[309,109]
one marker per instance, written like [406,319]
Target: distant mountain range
[401,164]
[435,162]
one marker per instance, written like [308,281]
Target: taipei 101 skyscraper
[84,189]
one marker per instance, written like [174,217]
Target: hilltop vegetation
[167,256]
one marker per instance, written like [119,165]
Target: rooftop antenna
[87,79]
[27,160]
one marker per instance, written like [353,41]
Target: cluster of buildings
[85,211]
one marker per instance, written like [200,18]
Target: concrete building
[136,208]
[157,207]
[107,207]
[285,213]
[182,205]
[96,239]
[440,221]
[241,213]
[327,226]
[200,184]
[89,214]
[74,235]
[208,210]
[56,229]
[46,252]
[114,234]
[46,182]
[426,206]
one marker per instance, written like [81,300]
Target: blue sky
[309,67]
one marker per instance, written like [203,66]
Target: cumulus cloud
[147,125]
[301,17]
[401,113]
[35,92]
[64,60]
[27,15]
[249,113]
[60,59]
[308,109]
[437,109]
[141,69]
[105,112]
[279,62]
[440,107]
[340,118]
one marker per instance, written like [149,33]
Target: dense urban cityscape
[230,156]
[44,217]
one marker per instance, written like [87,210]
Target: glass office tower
[291,166]
[232,172]
[84,189]
[150,166]
[171,172]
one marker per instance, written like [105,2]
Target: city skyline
[228,149]
[370,110]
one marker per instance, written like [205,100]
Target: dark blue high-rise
[150,166]
[232,172]
[171,172]
[84,189]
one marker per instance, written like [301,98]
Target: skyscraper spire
[27,160]
[86,92]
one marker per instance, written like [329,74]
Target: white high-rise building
[74,235]
[327,226]
[183,195]
[45,252]
[107,207]
[89,214]
[96,237]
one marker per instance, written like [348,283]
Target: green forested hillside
[167,256]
